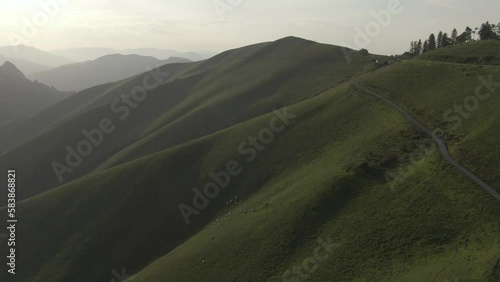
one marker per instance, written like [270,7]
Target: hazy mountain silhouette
[34,55]
[21,97]
[79,76]
[163,53]
[26,67]
[86,54]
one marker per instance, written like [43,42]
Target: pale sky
[195,25]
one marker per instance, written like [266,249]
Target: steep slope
[33,55]
[336,199]
[20,97]
[103,70]
[321,177]
[195,100]
[270,76]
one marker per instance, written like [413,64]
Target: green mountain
[265,163]
[190,101]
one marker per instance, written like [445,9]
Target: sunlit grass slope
[195,100]
[321,179]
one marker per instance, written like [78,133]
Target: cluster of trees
[486,32]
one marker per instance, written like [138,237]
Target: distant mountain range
[79,76]
[26,67]
[85,54]
[79,68]
[20,97]
[34,55]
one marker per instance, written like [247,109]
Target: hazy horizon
[199,26]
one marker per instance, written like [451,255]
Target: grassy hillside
[195,100]
[417,234]
[476,52]
[294,70]
[472,135]
[331,186]
[317,188]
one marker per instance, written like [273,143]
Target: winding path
[442,146]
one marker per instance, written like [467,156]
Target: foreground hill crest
[321,177]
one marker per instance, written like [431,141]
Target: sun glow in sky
[194,25]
